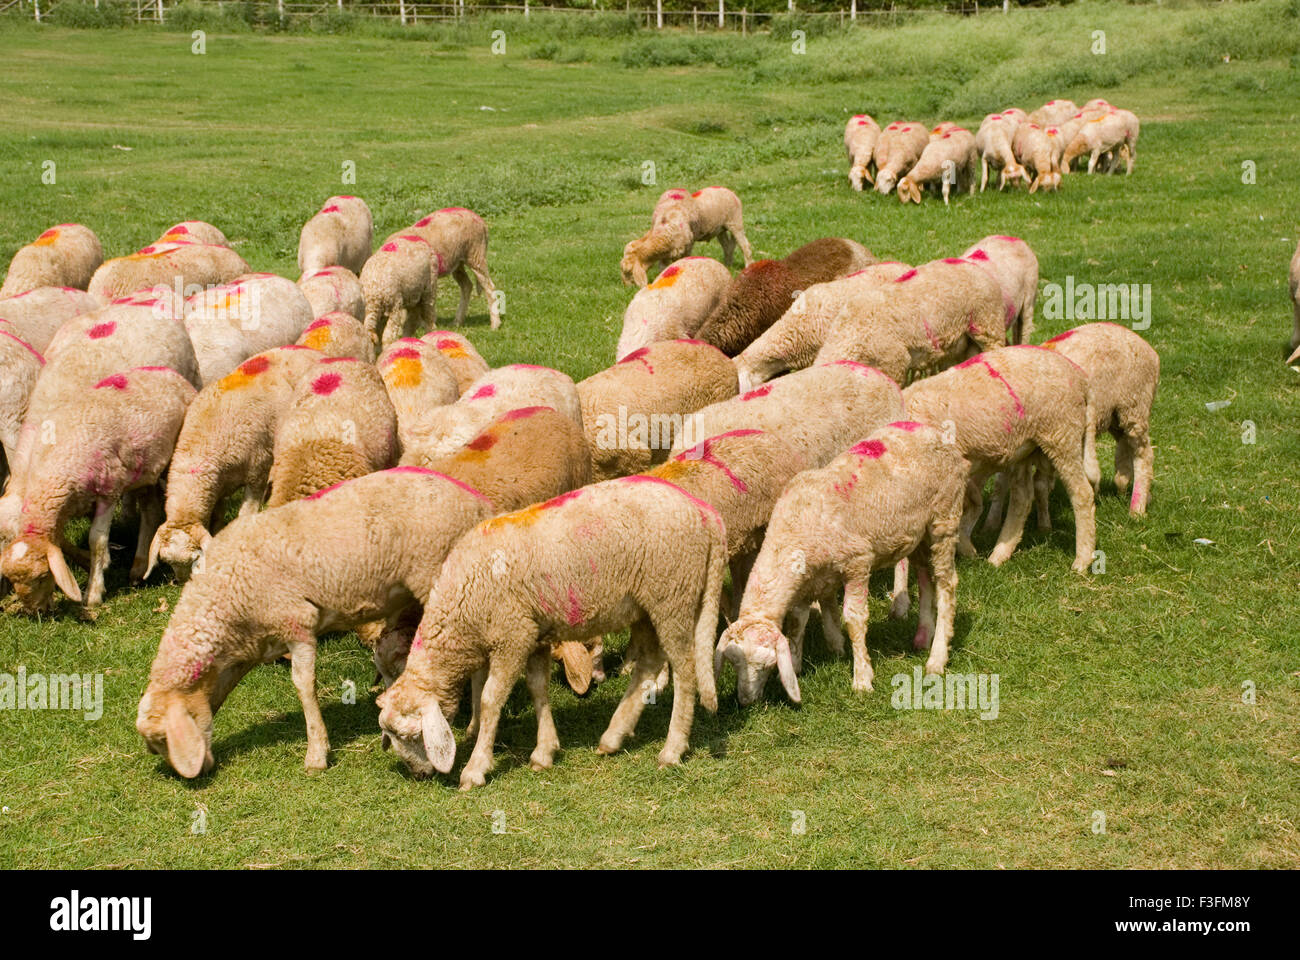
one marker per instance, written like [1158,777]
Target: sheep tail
[706,627]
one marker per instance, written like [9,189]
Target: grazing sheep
[399,289]
[419,381]
[1115,133]
[1070,128]
[556,572]
[445,430]
[998,407]
[273,582]
[1010,262]
[793,341]
[675,305]
[225,443]
[633,411]
[762,292]
[35,316]
[1016,115]
[860,136]
[1039,151]
[115,438]
[339,334]
[899,147]
[458,239]
[339,234]
[894,496]
[193,231]
[993,144]
[64,256]
[949,158]
[680,220]
[334,289]
[20,365]
[1293,279]
[184,266]
[1053,112]
[122,335]
[340,425]
[232,322]
[466,362]
[925,318]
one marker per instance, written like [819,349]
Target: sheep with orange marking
[334,290]
[993,144]
[860,136]
[679,221]
[1053,112]
[226,443]
[1010,262]
[193,231]
[340,425]
[948,160]
[1070,128]
[1113,133]
[419,382]
[35,316]
[64,256]
[273,582]
[1039,150]
[458,241]
[399,289]
[898,149]
[555,572]
[466,362]
[764,290]
[338,334]
[675,305]
[924,319]
[114,440]
[632,413]
[233,321]
[183,266]
[339,234]
[897,495]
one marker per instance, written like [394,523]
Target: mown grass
[1120,692]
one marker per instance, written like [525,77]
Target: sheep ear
[785,668]
[154,546]
[186,748]
[577,665]
[62,575]
[439,743]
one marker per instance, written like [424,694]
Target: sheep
[399,289]
[458,239]
[521,581]
[339,234]
[1070,129]
[896,495]
[114,439]
[467,364]
[179,265]
[680,220]
[1039,149]
[1010,262]
[64,256]
[332,290]
[419,381]
[273,582]
[1053,112]
[632,412]
[899,147]
[949,158]
[20,365]
[1293,279]
[997,407]
[675,305]
[993,144]
[338,334]
[793,341]
[860,136]
[232,322]
[762,292]
[1115,133]
[193,231]
[225,443]
[144,332]
[35,316]
[925,318]
[340,425]
[447,429]
[1015,115]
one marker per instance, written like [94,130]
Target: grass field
[1120,692]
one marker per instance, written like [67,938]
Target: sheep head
[754,646]
[177,724]
[632,265]
[415,725]
[35,565]
[180,545]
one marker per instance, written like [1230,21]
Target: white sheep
[20,365]
[993,144]
[338,334]
[679,221]
[419,381]
[35,316]
[675,305]
[457,240]
[1010,262]
[332,290]
[184,266]
[64,256]
[466,362]
[233,321]
[1112,133]
[897,150]
[1053,112]
[399,289]
[1040,149]
[193,231]
[949,159]
[339,234]
[860,136]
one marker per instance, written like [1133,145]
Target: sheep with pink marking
[1053,112]
[1039,150]
[193,231]
[233,321]
[20,365]
[400,289]
[1114,133]
[1010,262]
[419,382]
[679,221]
[182,266]
[898,149]
[334,290]
[948,160]
[339,234]
[675,305]
[36,316]
[993,144]
[64,256]
[272,583]
[860,136]
[466,362]
[338,334]
[458,240]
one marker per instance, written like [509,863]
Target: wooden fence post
[853,10]
[721,14]
[659,14]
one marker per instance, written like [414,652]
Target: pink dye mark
[458,210]
[979,254]
[389,247]
[1137,496]
[892,126]
[639,356]
[530,366]
[487,390]
[521,413]
[340,360]
[442,264]
[845,489]
[996,375]
[929,335]
[561,499]
[703,452]
[320,493]
[953,260]
[706,509]
[332,208]
[199,668]
[1062,336]
[412,238]
[317,324]
[101,330]
[670,272]
[404,353]
[26,346]
[903,278]
[911,426]
[117,381]
[424,221]
[573,609]
[757,392]
[326,384]
[434,473]
[873,449]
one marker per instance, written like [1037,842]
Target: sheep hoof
[609,744]
[471,779]
[933,667]
[899,608]
[540,760]
[998,557]
[966,549]
[669,759]
[863,685]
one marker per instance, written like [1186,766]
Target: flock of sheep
[1037,148]
[803,423]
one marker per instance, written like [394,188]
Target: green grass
[1120,692]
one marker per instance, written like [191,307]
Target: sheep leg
[1026,320]
[644,647]
[924,635]
[151,514]
[676,640]
[466,288]
[548,740]
[476,681]
[503,670]
[395,326]
[728,243]
[428,312]
[738,231]
[855,622]
[797,618]
[994,517]
[900,602]
[1013,527]
[943,566]
[1143,471]
[831,631]
[1092,159]
[984,174]
[478,265]
[1044,481]
[1069,467]
[974,503]
[99,528]
[302,654]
